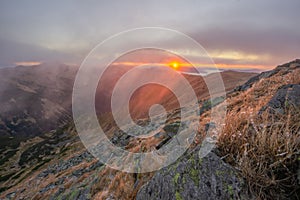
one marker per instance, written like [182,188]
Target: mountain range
[42,156]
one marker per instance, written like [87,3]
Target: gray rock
[194,178]
[210,103]
[256,78]
[84,194]
[288,67]
[210,126]
[120,138]
[288,96]
[64,165]
[11,195]
[48,187]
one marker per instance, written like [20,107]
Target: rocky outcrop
[194,178]
[288,96]
[285,67]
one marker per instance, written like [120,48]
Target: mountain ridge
[73,173]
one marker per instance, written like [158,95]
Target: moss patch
[230,190]
[178,196]
[195,176]
[176,177]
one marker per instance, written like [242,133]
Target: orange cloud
[185,64]
[28,63]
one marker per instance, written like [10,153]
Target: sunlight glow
[175,65]
[27,63]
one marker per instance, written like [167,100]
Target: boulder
[193,177]
[288,96]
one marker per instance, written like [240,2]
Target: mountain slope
[58,160]
[66,170]
[34,99]
[261,139]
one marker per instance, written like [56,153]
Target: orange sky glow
[177,65]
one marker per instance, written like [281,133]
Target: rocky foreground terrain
[257,153]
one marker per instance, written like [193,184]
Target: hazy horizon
[242,35]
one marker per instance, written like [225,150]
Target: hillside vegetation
[256,156]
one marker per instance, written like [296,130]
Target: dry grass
[266,151]
[265,148]
[265,154]
[119,185]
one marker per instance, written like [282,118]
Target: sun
[175,65]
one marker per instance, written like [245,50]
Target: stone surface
[284,68]
[194,178]
[288,96]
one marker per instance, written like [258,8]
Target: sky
[237,34]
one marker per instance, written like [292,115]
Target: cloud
[58,30]
[13,52]
[28,63]
[268,46]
